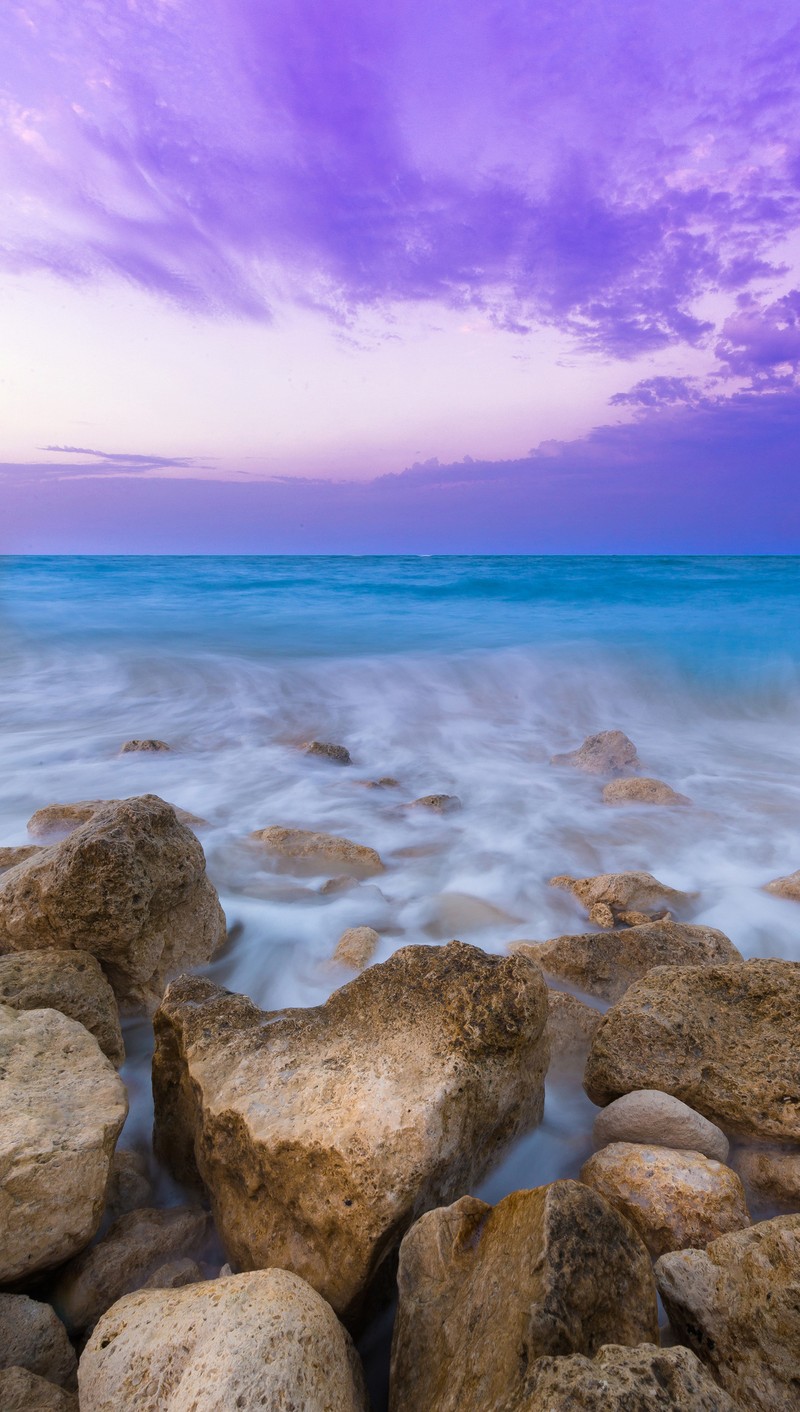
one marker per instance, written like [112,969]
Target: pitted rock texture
[10,857]
[23,1391]
[642,790]
[69,981]
[612,897]
[724,1039]
[260,1340]
[62,1106]
[33,1337]
[606,963]
[321,1134]
[643,1379]
[316,852]
[130,887]
[152,747]
[607,753]
[356,947]
[484,1291]
[325,750]
[650,1116]
[737,1306]
[438,803]
[672,1197]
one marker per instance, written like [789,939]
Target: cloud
[127,460]
[762,341]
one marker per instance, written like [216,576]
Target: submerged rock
[260,1340]
[484,1291]
[737,1306]
[642,790]
[606,963]
[452,913]
[607,897]
[724,1039]
[607,753]
[130,887]
[321,1134]
[337,754]
[617,1379]
[152,747]
[788,887]
[33,1337]
[650,1116]
[69,981]
[438,803]
[319,851]
[356,947]
[61,1110]
[23,1391]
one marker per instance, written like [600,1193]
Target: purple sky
[365,276]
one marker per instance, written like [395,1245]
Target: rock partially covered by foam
[326,750]
[607,753]
[642,790]
[608,897]
[315,852]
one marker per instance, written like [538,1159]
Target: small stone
[649,1116]
[617,1379]
[174,1275]
[641,790]
[23,1391]
[319,850]
[621,892]
[336,885]
[737,1306]
[608,753]
[385,782]
[771,1177]
[150,746]
[128,1184]
[673,1198]
[10,857]
[356,947]
[69,981]
[439,803]
[337,754]
[33,1337]
[788,887]
[602,915]
[570,1026]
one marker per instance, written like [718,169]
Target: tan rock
[737,1306]
[385,782]
[10,857]
[321,1134]
[33,1337]
[724,1039]
[483,1291]
[23,1391]
[453,913]
[315,852]
[129,886]
[260,1340]
[128,1184]
[605,963]
[672,1197]
[174,1275]
[608,753]
[356,947]
[788,887]
[337,754]
[69,981]
[771,1177]
[136,1245]
[643,1379]
[152,747]
[647,1115]
[60,819]
[61,1110]
[438,803]
[642,790]
[606,895]
[570,1026]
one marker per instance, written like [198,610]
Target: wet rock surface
[737,1306]
[618,1379]
[612,897]
[318,851]
[259,1340]
[321,1134]
[606,963]
[325,750]
[69,981]
[642,790]
[484,1291]
[438,803]
[724,1039]
[152,747]
[650,1116]
[33,1337]
[607,753]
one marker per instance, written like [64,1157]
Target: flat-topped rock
[788,887]
[69,981]
[724,1039]
[62,1106]
[321,1134]
[647,1115]
[640,789]
[151,747]
[129,886]
[617,1379]
[606,963]
[260,1340]
[737,1306]
[33,1337]
[61,819]
[484,1291]
[608,897]
[23,1391]
[318,851]
[607,753]
[325,750]
[356,947]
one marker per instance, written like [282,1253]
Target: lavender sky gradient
[360,276]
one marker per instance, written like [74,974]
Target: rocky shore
[311,1166]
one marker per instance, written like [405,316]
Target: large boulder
[312,852]
[483,1291]
[606,963]
[62,1106]
[23,1391]
[737,1306]
[607,753]
[260,1340]
[642,790]
[724,1039]
[57,820]
[321,1134]
[617,1379]
[129,886]
[672,1197]
[650,1116]
[69,981]
[33,1337]
[613,898]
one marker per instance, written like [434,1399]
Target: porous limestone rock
[153,747]
[438,803]
[724,1039]
[771,1177]
[609,896]
[337,754]
[316,852]
[321,1134]
[607,753]
[788,887]
[10,857]
[128,1184]
[129,886]
[737,1306]
[617,1379]
[58,820]
[356,947]
[62,1106]
[136,1245]
[650,1116]
[672,1197]
[259,1340]
[606,963]
[69,981]
[570,1026]
[642,790]
[23,1391]
[33,1337]
[483,1291]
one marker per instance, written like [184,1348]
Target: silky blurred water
[455,675]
